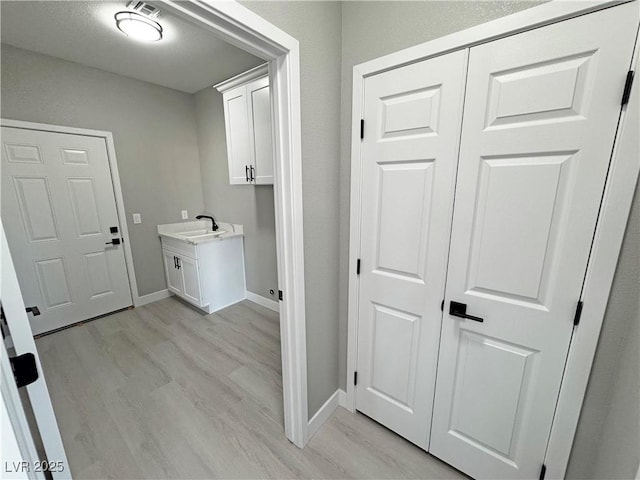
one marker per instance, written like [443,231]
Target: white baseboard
[152,297]
[265,302]
[323,414]
[342,398]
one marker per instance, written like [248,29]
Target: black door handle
[115,241]
[175,262]
[34,310]
[178,259]
[251,169]
[246,172]
[457,309]
[25,370]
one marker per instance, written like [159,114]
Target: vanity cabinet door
[172,272]
[192,290]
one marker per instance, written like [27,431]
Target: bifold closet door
[541,111]
[412,124]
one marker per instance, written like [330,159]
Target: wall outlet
[137,218]
[185,215]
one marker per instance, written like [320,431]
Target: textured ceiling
[187,58]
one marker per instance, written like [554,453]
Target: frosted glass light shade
[138,26]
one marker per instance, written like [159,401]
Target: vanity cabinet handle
[251,169]
[246,172]
[178,259]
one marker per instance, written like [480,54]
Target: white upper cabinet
[247,117]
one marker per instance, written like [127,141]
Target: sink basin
[202,234]
[195,233]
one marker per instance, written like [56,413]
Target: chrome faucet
[214,225]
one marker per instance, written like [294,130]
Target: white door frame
[23,342]
[115,180]
[17,440]
[239,26]
[615,208]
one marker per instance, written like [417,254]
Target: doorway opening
[240,27]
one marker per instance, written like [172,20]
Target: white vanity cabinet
[247,116]
[209,274]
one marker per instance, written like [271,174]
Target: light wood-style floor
[164,391]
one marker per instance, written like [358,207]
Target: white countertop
[177,231]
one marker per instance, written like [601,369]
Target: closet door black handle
[175,262]
[246,172]
[457,309]
[251,169]
[178,259]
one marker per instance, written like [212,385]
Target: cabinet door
[260,133]
[172,273]
[237,133]
[540,117]
[190,280]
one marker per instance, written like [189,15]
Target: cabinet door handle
[178,258]
[175,262]
[457,309]
[246,172]
[253,178]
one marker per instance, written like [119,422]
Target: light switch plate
[137,218]
[185,215]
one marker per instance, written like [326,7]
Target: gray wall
[607,443]
[317,26]
[154,132]
[251,206]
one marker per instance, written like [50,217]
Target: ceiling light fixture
[138,26]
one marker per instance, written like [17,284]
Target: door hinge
[355,378]
[24,369]
[279,294]
[543,472]
[361,128]
[626,93]
[576,317]
[358,267]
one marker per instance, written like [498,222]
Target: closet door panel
[541,110]
[412,124]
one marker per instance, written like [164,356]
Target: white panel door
[409,154]
[237,135]
[541,110]
[261,137]
[58,206]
